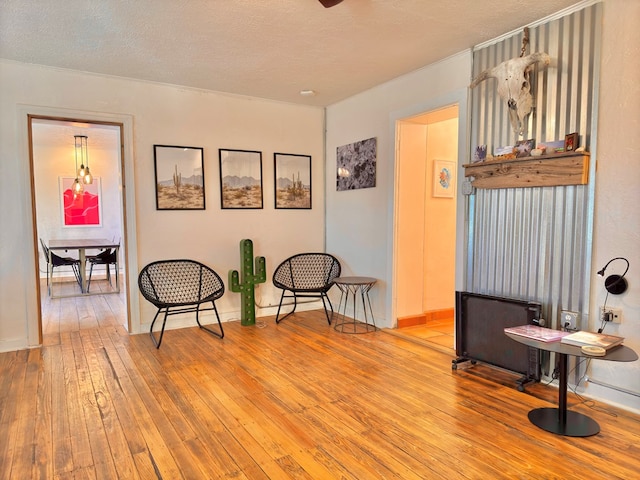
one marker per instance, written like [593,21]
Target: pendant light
[82,156]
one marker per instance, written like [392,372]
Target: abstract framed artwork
[84,209]
[292,181]
[356,165]
[444,178]
[179,173]
[240,179]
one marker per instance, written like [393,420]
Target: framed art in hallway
[83,209]
[444,178]
[292,181]
[240,179]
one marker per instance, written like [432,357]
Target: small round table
[560,420]
[349,287]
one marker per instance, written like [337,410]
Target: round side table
[349,288]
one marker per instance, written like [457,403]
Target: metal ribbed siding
[535,243]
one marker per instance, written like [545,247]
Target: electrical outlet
[615,314]
[569,320]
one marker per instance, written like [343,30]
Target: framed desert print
[444,178]
[240,178]
[292,181]
[83,209]
[179,177]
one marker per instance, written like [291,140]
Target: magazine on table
[592,339]
[536,332]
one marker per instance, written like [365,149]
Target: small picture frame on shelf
[571,142]
[479,154]
[523,148]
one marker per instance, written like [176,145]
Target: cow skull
[513,85]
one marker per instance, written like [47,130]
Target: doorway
[53,170]
[425,241]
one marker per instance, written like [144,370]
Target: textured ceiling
[264,48]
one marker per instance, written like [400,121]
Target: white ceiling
[264,48]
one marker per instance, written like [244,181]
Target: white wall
[617,219]
[168,115]
[360,223]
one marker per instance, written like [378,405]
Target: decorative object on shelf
[179,173]
[292,181]
[82,209]
[444,178]
[245,283]
[537,152]
[506,150]
[570,142]
[513,83]
[615,284]
[523,148]
[479,154]
[240,179]
[556,146]
[356,164]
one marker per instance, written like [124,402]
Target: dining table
[82,245]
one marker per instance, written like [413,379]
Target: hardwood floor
[294,400]
[436,334]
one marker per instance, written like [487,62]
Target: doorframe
[461,99]
[26,113]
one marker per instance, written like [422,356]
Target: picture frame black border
[259,154]
[155,171]
[275,181]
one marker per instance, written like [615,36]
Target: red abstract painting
[82,209]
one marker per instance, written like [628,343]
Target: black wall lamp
[615,284]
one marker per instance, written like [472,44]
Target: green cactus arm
[261,270]
[234,281]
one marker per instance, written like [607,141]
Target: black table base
[575,424]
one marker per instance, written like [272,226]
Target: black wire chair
[54,261]
[306,275]
[180,286]
[107,258]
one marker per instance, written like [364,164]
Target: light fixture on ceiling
[307,93]
[615,284]
[83,173]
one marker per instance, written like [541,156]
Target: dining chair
[54,261]
[107,258]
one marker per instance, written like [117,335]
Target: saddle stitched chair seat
[54,261]
[180,286]
[306,275]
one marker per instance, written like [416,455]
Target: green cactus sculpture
[249,281]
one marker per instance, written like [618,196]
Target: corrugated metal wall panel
[535,243]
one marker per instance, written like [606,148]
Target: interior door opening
[98,211]
[425,243]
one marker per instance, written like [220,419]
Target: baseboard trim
[426,317]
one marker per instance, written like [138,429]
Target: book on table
[536,332]
[592,339]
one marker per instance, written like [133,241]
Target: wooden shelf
[545,171]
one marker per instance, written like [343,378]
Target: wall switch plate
[616,314]
[468,188]
[569,320]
